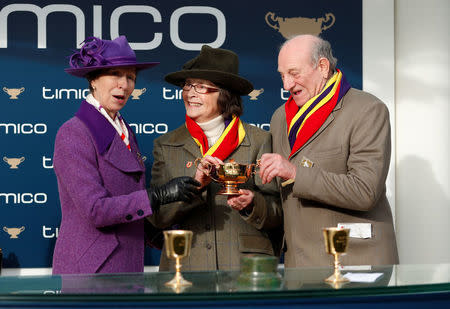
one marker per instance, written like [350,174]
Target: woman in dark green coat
[224,226]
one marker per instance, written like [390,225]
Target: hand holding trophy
[229,174]
[336,242]
[178,245]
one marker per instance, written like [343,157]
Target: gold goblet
[178,245]
[336,242]
[230,175]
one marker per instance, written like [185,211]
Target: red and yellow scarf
[231,138]
[303,122]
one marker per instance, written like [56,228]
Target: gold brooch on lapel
[306,162]
[141,158]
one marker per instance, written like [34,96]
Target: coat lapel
[99,127]
[285,146]
[135,147]
[246,140]
[123,159]
[182,138]
[109,143]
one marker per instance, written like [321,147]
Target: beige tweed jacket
[346,184]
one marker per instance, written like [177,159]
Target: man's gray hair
[320,49]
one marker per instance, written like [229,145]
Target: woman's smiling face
[201,107]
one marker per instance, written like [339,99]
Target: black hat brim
[229,81]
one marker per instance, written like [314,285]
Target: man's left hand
[274,165]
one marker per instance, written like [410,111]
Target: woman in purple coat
[100,172]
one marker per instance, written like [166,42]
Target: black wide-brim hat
[220,66]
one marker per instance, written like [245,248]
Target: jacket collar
[109,143]
[100,128]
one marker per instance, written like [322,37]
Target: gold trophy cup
[178,245]
[13,92]
[289,27]
[14,231]
[14,162]
[230,175]
[137,93]
[336,242]
[255,94]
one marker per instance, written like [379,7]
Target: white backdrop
[406,64]
[422,118]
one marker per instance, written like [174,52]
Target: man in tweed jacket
[336,176]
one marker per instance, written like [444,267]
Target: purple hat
[103,54]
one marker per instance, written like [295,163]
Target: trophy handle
[209,169]
[273,19]
[254,166]
[5,89]
[5,159]
[327,17]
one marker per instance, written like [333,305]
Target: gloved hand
[178,189]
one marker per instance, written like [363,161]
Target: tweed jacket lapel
[285,146]
[184,139]
[327,122]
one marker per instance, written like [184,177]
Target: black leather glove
[178,189]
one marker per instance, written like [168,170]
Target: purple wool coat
[103,198]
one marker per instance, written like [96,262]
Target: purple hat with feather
[103,54]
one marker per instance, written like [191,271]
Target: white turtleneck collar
[213,129]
